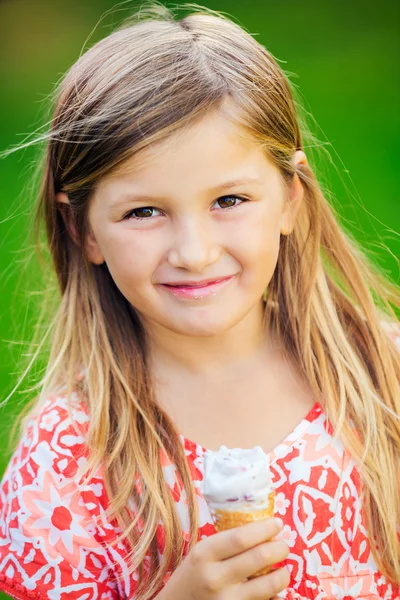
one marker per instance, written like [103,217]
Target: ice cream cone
[238,488]
[227,519]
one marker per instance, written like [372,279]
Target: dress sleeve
[50,543]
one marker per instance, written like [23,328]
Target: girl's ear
[291,208]
[63,206]
[92,248]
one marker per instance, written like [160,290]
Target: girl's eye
[147,209]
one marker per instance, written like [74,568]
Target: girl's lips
[199,291]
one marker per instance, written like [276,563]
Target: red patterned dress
[56,542]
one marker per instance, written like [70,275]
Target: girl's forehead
[213,130]
[156,176]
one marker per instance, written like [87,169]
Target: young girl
[208,297]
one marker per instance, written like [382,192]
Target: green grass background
[345,58]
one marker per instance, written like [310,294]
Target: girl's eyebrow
[131,197]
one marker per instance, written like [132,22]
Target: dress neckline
[282,447]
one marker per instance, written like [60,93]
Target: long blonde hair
[152,76]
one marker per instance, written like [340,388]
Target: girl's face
[211,206]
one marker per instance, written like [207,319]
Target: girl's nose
[193,245]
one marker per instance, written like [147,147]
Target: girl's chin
[206,323]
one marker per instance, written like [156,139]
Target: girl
[208,297]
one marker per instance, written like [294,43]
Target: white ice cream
[236,476]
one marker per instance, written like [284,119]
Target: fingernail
[279,522]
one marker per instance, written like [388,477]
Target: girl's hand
[217,567]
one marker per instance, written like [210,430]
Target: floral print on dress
[56,542]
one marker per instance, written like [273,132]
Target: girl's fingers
[266,586]
[231,542]
[239,567]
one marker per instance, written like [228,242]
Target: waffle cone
[227,519]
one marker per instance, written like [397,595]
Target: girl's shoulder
[53,437]
[54,533]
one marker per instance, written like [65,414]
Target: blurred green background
[343,57]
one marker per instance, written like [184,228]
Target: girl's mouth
[198,291]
